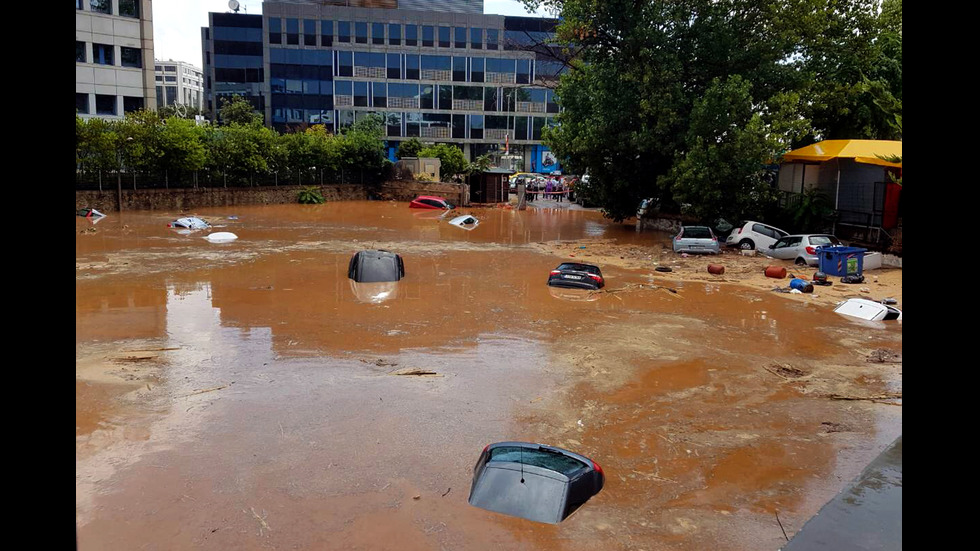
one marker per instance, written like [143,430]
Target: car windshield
[824,240]
[696,232]
[563,464]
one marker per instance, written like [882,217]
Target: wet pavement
[866,516]
[243,394]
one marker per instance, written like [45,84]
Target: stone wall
[406,190]
[191,199]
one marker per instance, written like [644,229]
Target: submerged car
[802,249]
[754,235]
[576,275]
[696,239]
[190,223]
[430,202]
[466,222]
[88,213]
[533,481]
[373,266]
[869,310]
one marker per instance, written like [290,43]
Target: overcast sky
[177,23]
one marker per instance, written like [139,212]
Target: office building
[113,57]
[180,83]
[441,71]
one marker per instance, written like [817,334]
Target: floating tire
[663,269]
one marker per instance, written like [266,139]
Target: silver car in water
[801,249]
[696,239]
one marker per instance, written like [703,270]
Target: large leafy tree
[648,97]
[452,162]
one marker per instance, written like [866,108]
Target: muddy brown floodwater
[244,395]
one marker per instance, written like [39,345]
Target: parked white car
[801,249]
[754,235]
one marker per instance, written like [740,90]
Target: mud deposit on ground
[246,395]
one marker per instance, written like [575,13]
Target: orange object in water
[716,269]
[777,272]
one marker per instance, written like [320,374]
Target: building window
[360,94]
[360,32]
[377,33]
[394,66]
[292,31]
[78,4]
[445,98]
[443,37]
[426,101]
[343,31]
[411,35]
[129,8]
[476,127]
[428,36]
[459,126]
[81,101]
[130,57]
[309,32]
[170,78]
[476,69]
[394,123]
[459,69]
[460,35]
[275,30]
[345,64]
[394,34]
[326,33]
[523,71]
[491,39]
[411,67]
[380,93]
[79,52]
[102,54]
[132,104]
[101,6]
[105,105]
[476,38]
[170,68]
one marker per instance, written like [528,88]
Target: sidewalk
[866,516]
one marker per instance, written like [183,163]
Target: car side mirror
[773,246]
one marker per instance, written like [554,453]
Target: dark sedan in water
[375,266]
[577,276]
[533,481]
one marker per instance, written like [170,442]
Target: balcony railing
[531,107]
[433,74]
[343,101]
[467,105]
[403,103]
[370,72]
[435,132]
[501,78]
[498,134]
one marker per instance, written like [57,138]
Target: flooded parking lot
[245,395]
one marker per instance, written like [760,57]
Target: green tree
[139,137]
[96,144]
[409,148]
[238,110]
[722,172]
[181,146]
[362,146]
[452,160]
[640,68]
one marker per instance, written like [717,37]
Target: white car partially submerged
[467,222]
[869,310]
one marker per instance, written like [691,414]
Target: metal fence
[104,180]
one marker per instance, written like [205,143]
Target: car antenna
[522,464]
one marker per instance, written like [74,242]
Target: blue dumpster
[841,261]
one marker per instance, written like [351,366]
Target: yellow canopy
[862,151]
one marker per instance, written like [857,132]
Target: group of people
[554,187]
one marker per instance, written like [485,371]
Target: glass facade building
[452,75]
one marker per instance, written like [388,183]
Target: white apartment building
[113,57]
[179,82]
